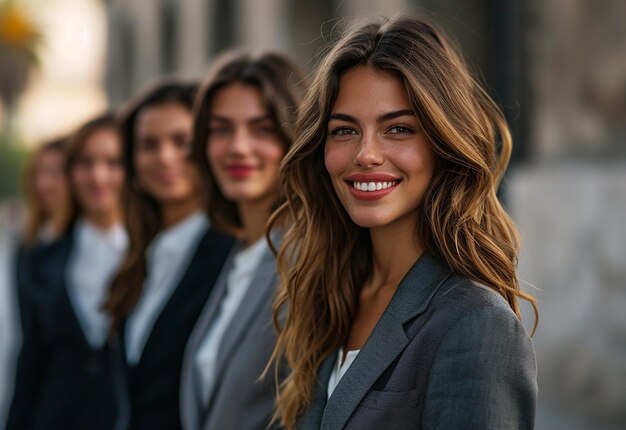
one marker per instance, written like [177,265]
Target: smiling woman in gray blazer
[398,269]
[243,127]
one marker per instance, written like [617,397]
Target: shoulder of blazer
[460,295]
[47,264]
[454,300]
[208,258]
[55,253]
[213,242]
[475,337]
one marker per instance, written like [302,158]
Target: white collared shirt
[95,258]
[239,278]
[340,368]
[167,259]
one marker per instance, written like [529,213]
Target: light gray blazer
[447,353]
[239,399]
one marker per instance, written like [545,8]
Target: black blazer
[61,381]
[447,353]
[153,385]
[25,266]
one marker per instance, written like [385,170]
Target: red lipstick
[239,171]
[371,186]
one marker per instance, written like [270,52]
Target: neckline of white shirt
[115,236]
[251,252]
[239,279]
[182,232]
[96,255]
[342,364]
[167,258]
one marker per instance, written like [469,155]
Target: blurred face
[50,182]
[244,148]
[97,174]
[377,157]
[162,164]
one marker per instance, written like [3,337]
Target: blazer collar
[259,294]
[386,342]
[55,257]
[312,420]
[190,405]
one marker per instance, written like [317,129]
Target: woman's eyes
[396,129]
[181,139]
[219,131]
[258,131]
[400,129]
[342,131]
[147,144]
[264,130]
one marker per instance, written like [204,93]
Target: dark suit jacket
[61,381]
[152,385]
[447,353]
[240,399]
[25,269]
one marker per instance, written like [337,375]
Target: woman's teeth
[373,186]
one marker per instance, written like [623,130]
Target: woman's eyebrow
[343,117]
[382,118]
[218,118]
[395,114]
[259,119]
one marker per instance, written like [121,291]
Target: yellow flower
[16,29]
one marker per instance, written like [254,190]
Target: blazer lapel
[191,406]
[312,420]
[259,293]
[382,347]
[59,263]
[387,340]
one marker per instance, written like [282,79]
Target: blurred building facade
[558,70]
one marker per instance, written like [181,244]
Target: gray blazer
[239,398]
[447,353]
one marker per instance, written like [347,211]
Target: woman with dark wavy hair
[48,209]
[244,125]
[174,254]
[65,373]
[399,267]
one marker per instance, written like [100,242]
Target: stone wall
[573,222]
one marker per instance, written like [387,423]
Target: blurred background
[557,68]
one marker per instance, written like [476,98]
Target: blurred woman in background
[65,372]
[244,124]
[174,255]
[48,209]
[399,268]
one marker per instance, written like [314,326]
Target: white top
[238,281]
[167,259]
[341,368]
[95,258]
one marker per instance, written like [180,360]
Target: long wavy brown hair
[36,216]
[281,84]
[142,216]
[324,258]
